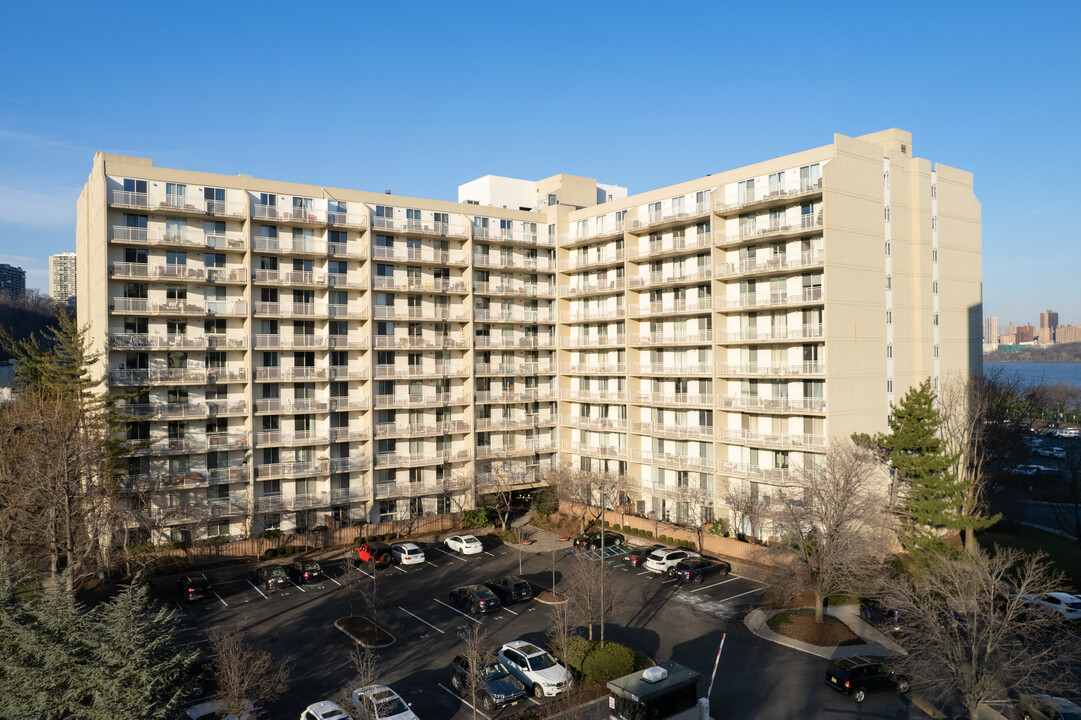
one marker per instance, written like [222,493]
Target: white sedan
[212,709]
[464,544]
[324,710]
[1066,605]
[407,553]
[378,702]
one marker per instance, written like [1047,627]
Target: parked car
[880,617]
[1066,605]
[666,559]
[637,556]
[271,577]
[474,599]
[535,668]
[324,710]
[1045,707]
[1044,451]
[464,544]
[510,589]
[213,709]
[304,571]
[861,675]
[195,587]
[377,553]
[498,688]
[592,540]
[696,569]
[1058,453]
[407,553]
[378,702]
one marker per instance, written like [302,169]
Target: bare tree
[982,428]
[1065,493]
[971,634]
[561,631]
[477,654]
[244,674]
[834,519]
[583,585]
[693,499]
[500,479]
[748,508]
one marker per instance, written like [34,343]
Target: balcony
[594,423]
[289,245]
[176,375]
[602,396]
[296,341]
[393,430]
[216,408]
[774,476]
[345,372]
[412,226]
[517,236]
[513,262]
[172,411]
[437,340]
[420,284]
[673,247]
[433,313]
[592,341]
[278,502]
[349,402]
[797,441]
[514,290]
[581,261]
[678,432]
[600,451]
[758,370]
[357,250]
[223,341]
[810,295]
[600,230]
[347,464]
[702,337]
[775,195]
[419,401]
[347,496]
[511,396]
[753,231]
[176,204]
[489,452]
[799,332]
[672,399]
[226,441]
[142,341]
[347,220]
[341,342]
[299,405]
[514,316]
[587,369]
[510,342]
[419,488]
[640,368]
[670,460]
[389,460]
[771,404]
[673,307]
[293,215]
[523,422]
[420,255]
[123,234]
[595,288]
[357,311]
[280,437]
[774,264]
[292,469]
[657,221]
[544,368]
[658,279]
[591,314]
[290,310]
[421,371]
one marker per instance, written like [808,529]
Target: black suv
[697,569]
[305,571]
[858,676]
[510,588]
[195,587]
[496,685]
[271,578]
[636,556]
[592,540]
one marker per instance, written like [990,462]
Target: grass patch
[1064,553]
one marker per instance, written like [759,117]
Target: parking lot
[657,614]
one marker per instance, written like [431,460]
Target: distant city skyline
[587,103]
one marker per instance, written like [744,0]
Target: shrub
[717,528]
[598,665]
[358,541]
[627,528]
[545,502]
[274,534]
[140,547]
[475,518]
[271,553]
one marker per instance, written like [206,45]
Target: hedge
[597,665]
[475,518]
[286,551]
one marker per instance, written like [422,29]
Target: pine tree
[931,495]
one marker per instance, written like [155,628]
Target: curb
[360,642]
[756,620]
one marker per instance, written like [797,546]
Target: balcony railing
[663,278]
[786,192]
[602,451]
[769,299]
[807,368]
[292,469]
[773,440]
[388,430]
[519,342]
[771,404]
[703,304]
[689,432]
[514,262]
[544,368]
[579,261]
[186,204]
[411,226]
[594,423]
[579,395]
[780,226]
[591,314]
[286,244]
[677,215]
[673,338]
[674,246]
[810,259]
[594,288]
[672,399]
[779,333]
[590,341]
[388,401]
[511,235]
[595,231]
[640,368]
[589,369]
[513,290]
[672,460]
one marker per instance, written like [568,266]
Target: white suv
[665,560]
[407,553]
[536,668]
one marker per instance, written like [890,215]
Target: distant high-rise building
[62,277]
[1068,334]
[1049,319]
[990,330]
[1026,333]
[12,280]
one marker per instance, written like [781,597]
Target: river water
[1033,373]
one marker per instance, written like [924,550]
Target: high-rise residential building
[991,331]
[1026,333]
[62,277]
[302,354]
[12,280]
[1048,325]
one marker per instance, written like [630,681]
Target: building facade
[12,280]
[304,355]
[62,286]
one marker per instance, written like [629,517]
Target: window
[174,194]
[338,267]
[215,200]
[135,186]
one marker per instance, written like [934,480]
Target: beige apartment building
[302,355]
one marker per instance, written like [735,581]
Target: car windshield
[495,671]
[311,565]
[1074,605]
[469,539]
[276,572]
[1069,715]
[411,551]
[656,556]
[389,705]
[541,662]
[519,585]
[483,594]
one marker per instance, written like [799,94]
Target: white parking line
[509,610]
[669,581]
[297,587]
[334,581]
[431,563]
[179,606]
[746,593]
[456,610]
[433,627]
[363,572]
[617,566]
[257,590]
[453,555]
[722,582]
[465,702]
[645,572]
[488,553]
[220,598]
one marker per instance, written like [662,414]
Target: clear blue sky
[420,97]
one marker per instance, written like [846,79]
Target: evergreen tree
[931,494]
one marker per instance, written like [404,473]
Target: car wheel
[698,580]
[860,695]
[538,692]
[488,703]
[671,572]
[1026,716]
[456,683]
[902,686]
